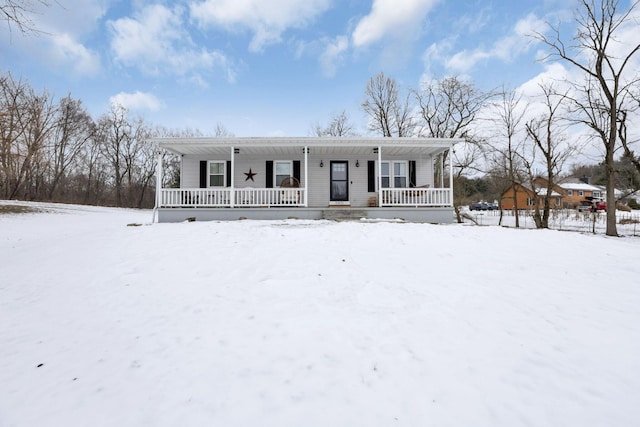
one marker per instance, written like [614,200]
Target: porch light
[321,164]
[357,163]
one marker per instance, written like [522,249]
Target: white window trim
[275,170]
[224,173]
[392,176]
[580,193]
[569,192]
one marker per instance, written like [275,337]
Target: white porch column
[450,177]
[442,169]
[232,195]
[306,177]
[379,176]
[158,185]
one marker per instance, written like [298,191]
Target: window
[394,174]
[399,174]
[282,170]
[580,193]
[530,201]
[569,192]
[216,173]
[385,174]
[597,194]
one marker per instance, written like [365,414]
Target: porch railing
[270,197]
[243,197]
[416,197]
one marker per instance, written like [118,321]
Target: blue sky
[270,67]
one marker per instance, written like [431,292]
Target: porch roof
[316,145]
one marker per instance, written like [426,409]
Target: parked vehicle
[592,204]
[482,206]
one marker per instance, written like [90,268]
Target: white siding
[318,177]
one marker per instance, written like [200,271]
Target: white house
[310,178]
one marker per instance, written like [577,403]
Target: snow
[314,323]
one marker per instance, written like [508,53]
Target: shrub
[624,208]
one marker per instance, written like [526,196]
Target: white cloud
[473,22]
[63,28]
[398,18]
[155,42]
[554,73]
[504,49]
[66,49]
[267,20]
[333,55]
[137,101]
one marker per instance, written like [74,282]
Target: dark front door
[339,181]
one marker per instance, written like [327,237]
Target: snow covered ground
[313,323]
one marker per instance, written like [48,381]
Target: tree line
[53,150]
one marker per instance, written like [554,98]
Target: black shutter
[296,169]
[228,173]
[269,174]
[371,176]
[412,173]
[203,174]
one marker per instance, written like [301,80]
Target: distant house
[578,189]
[306,178]
[525,197]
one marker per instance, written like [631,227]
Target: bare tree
[13,96]
[339,126]
[18,13]
[447,108]
[505,147]
[609,76]
[25,129]
[93,171]
[388,115]
[74,128]
[220,131]
[116,136]
[547,133]
[626,142]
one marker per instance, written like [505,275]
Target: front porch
[381,178]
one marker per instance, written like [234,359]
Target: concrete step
[343,214]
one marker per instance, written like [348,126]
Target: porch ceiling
[317,146]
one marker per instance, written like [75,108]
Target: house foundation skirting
[443,215]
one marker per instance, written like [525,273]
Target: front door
[339,181]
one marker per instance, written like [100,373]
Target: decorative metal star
[250,175]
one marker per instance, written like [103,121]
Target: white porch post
[450,178]
[306,177]
[158,185]
[442,169]
[379,176]
[232,196]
